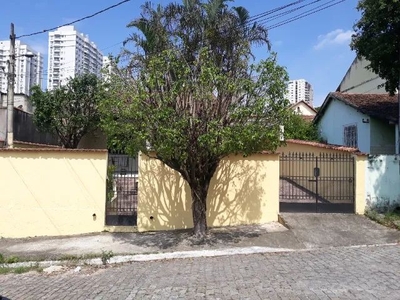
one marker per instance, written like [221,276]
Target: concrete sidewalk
[306,231]
[272,235]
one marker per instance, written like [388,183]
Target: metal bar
[316,186]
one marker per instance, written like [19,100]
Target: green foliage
[390,219]
[193,96]
[8,260]
[376,39]
[70,111]
[299,129]
[212,114]
[106,256]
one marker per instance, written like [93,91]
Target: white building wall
[360,80]
[303,109]
[71,53]
[300,90]
[28,70]
[382,182]
[336,117]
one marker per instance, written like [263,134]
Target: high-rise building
[300,90]
[108,68]
[28,67]
[71,53]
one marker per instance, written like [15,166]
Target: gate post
[316,175]
[360,166]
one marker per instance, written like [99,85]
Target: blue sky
[315,48]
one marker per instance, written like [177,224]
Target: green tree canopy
[299,129]
[193,97]
[376,39]
[70,111]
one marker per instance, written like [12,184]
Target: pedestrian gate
[122,190]
[317,183]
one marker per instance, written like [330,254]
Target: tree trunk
[199,208]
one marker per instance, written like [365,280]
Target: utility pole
[10,91]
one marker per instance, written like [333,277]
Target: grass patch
[390,219]
[19,270]
[8,260]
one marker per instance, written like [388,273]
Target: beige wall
[360,185]
[51,192]
[243,191]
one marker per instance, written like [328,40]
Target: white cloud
[335,37]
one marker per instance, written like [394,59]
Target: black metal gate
[122,190]
[317,183]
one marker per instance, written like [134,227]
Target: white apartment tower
[108,68]
[71,53]
[300,90]
[28,67]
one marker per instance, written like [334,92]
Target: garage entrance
[321,183]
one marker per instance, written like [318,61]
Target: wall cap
[328,146]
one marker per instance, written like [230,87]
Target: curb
[151,257]
[118,259]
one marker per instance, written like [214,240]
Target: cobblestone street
[338,273]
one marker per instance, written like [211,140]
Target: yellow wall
[361,193]
[51,192]
[243,191]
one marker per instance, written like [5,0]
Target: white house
[365,121]
[304,109]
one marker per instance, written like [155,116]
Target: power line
[302,15]
[269,12]
[76,21]
[266,20]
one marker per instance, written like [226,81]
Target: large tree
[377,39]
[296,127]
[193,97]
[69,111]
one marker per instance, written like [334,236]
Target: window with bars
[350,136]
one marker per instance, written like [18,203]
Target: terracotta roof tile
[308,118]
[51,150]
[381,106]
[327,146]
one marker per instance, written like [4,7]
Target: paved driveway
[335,273]
[333,230]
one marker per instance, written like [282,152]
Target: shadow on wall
[162,203]
[237,194]
[382,183]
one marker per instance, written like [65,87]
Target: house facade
[364,121]
[305,110]
[358,79]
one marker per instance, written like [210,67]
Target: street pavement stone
[336,273]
